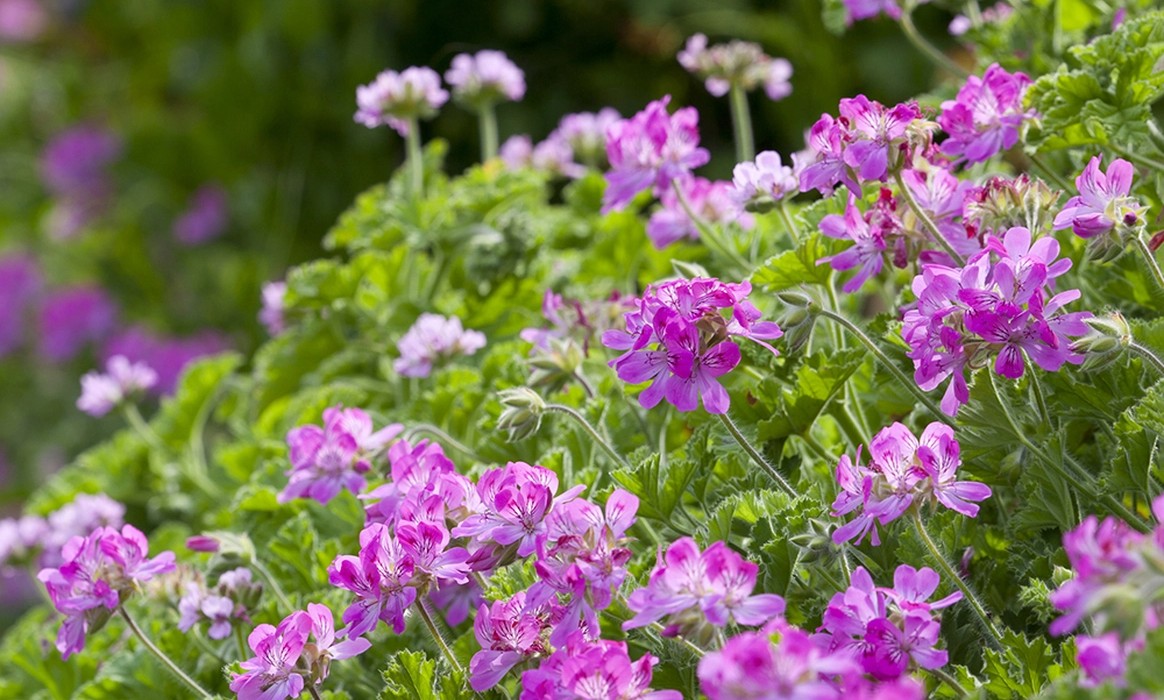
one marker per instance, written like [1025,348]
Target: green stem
[1050,173]
[241,641]
[488,124]
[1149,260]
[195,471]
[586,386]
[789,222]
[950,681]
[310,685]
[275,588]
[931,52]
[1040,398]
[1143,160]
[742,125]
[415,157]
[758,458]
[948,571]
[161,656]
[1148,355]
[422,610]
[707,235]
[594,434]
[884,360]
[924,217]
[447,439]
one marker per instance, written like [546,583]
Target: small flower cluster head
[205,217]
[757,186]
[231,599]
[740,64]
[329,459]
[431,340]
[594,669]
[888,631]
[697,593]
[711,202]
[273,314]
[576,320]
[22,285]
[74,167]
[1104,203]
[71,318]
[1119,574]
[856,10]
[484,78]
[865,143]
[782,662]
[903,471]
[552,156]
[285,662]
[397,99]
[585,134]
[32,539]
[650,150]
[1001,203]
[1001,305]
[995,14]
[98,573]
[679,339]
[985,117]
[122,380]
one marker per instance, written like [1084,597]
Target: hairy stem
[950,681]
[447,439]
[1149,356]
[924,217]
[422,610]
[161,656]
[706,233]
[488,124]
[948,571]
[742,125]
[415,157]
[1149,259]
[931,52]
[594,434]
[789,222]
[758,458]
[311,689]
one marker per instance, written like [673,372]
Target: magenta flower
[1103,555]
[22,20]
[381,578]
[710,201]
[1103,202]
[420,473]
[457,601]
[824,165]
[22,283]
[73,317]
[273,673]
[759,185]
[396,99]
[327,460]
[585,134]
[205,218]
[508,634]
[985,117]
[868,251]
[431,339]
[101,393]
[85,513]
[694,590]
[1103,658]
[651,149]
[427,547]
[595,670]
[903,470]
[273,313]
[318,656]
[879,133]
[516,152]
[737,63]
[98,572]
[684,321]
[487,77]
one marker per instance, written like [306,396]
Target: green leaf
[411,675]
[1022,668]
[793,268]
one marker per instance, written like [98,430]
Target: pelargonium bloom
[942,197]
[74,163]
[869,244]
[431,339]
[650,149]
[485,78]
[72,317]
[99,572]
[758,185]
[273,314]
[122,379]
[22,283]
[867,142]
[326,460]
[710,201]
[741,64]
[205,217]
[903,470]
[1103,202]
[585,133]
[692,341]
[396,99]
[985,117]
[509,634]
[595,670]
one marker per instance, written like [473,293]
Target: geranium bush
[876,419]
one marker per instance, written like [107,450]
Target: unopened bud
[1108,337]
[202,543]
[523,411]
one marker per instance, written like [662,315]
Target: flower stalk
[758,458]
[162,657]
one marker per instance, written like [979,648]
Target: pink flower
[985,117]
[585,134]
[396,99]
[650,149]
[865,9]
[431,339]
[879,133]
[327,460]
[868,250]
[595,670]
[73,317]
[710,201]
[22,284]
[1103,202]
[750,666]
[272,315]
[509,634]
[272,673]
[737,63]
[101,393]
[758,185]
[381,577]
[486,77]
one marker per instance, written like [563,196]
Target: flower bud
[202,543]
[522,415]
[1106,340]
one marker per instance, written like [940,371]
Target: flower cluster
[484,78]
[1001,304]
[205,217]
[431,339]
[1103,202]
[902,470]
[74,167]
[887,631]
[97,574]
[397,99]
[32,538]
[867,142]
[101,393]
[72,317]
[593,669]
[679,339]
[577,143]
[231,599]
[284,661]
[578,320]
[985,117]
[758,185]
[711,202]
[22,284]
[740,64]
[698,592]
[1118,576]
[273,314]
[651,149]
[326,460]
